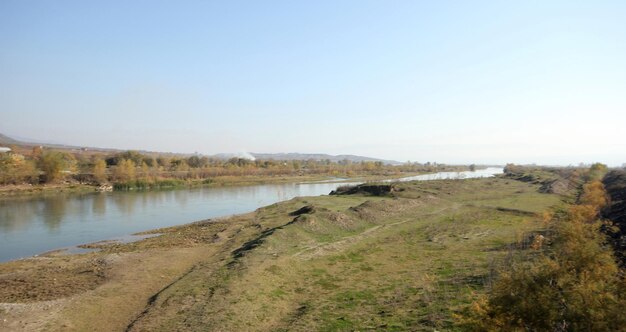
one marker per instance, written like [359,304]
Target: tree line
[41,165]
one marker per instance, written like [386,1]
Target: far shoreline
[42,190]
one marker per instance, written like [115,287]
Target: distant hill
[26,142]
[320,156]
[6,140]
[301,156]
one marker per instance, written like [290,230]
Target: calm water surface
[33,225]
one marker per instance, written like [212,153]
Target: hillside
[6,140]
[320,156]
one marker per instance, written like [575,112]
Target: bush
[573,285]
[53,164]
[15,169]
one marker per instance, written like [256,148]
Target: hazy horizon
[456,83]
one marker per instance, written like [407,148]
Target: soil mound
[367,189]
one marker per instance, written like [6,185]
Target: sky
[446,81]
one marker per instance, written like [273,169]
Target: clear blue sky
[446,81]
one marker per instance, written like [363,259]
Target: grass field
[408,260]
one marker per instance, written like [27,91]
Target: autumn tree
[597,171]
[512,169]
[575,285]
[53,164]
[99,171]
[125,170]
[196,162]
[163,162]
[16,169]
[145,170]
[134,156]
[594,195]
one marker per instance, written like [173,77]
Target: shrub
[15,169]
[573,285]
[99,171]
[53,164]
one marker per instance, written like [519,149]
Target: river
[32,225]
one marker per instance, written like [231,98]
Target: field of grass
[409,260]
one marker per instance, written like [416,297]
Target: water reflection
[125,202]
[481,173]
[37,224]
[99,204]
[53,211]
[16,217]
[181,198]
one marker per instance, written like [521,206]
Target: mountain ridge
[320,156]
[6,140]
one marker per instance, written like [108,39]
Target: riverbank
[408,260]
[221,181]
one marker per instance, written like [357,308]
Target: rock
[104,187]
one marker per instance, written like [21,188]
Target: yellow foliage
[583,213]
[99,171]
[594,194]
[573,285]
[15,169]
[125,170]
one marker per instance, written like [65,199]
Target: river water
[32,225]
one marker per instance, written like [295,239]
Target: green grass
[365,263]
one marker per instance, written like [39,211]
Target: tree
[52,164]
[197,162]
[594,194]
[149,161]
[597,171]
[124,171]
[134,156]
[15,169]
[472,167]
[512,169]
[99,171]
[145,170]
[163,162]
